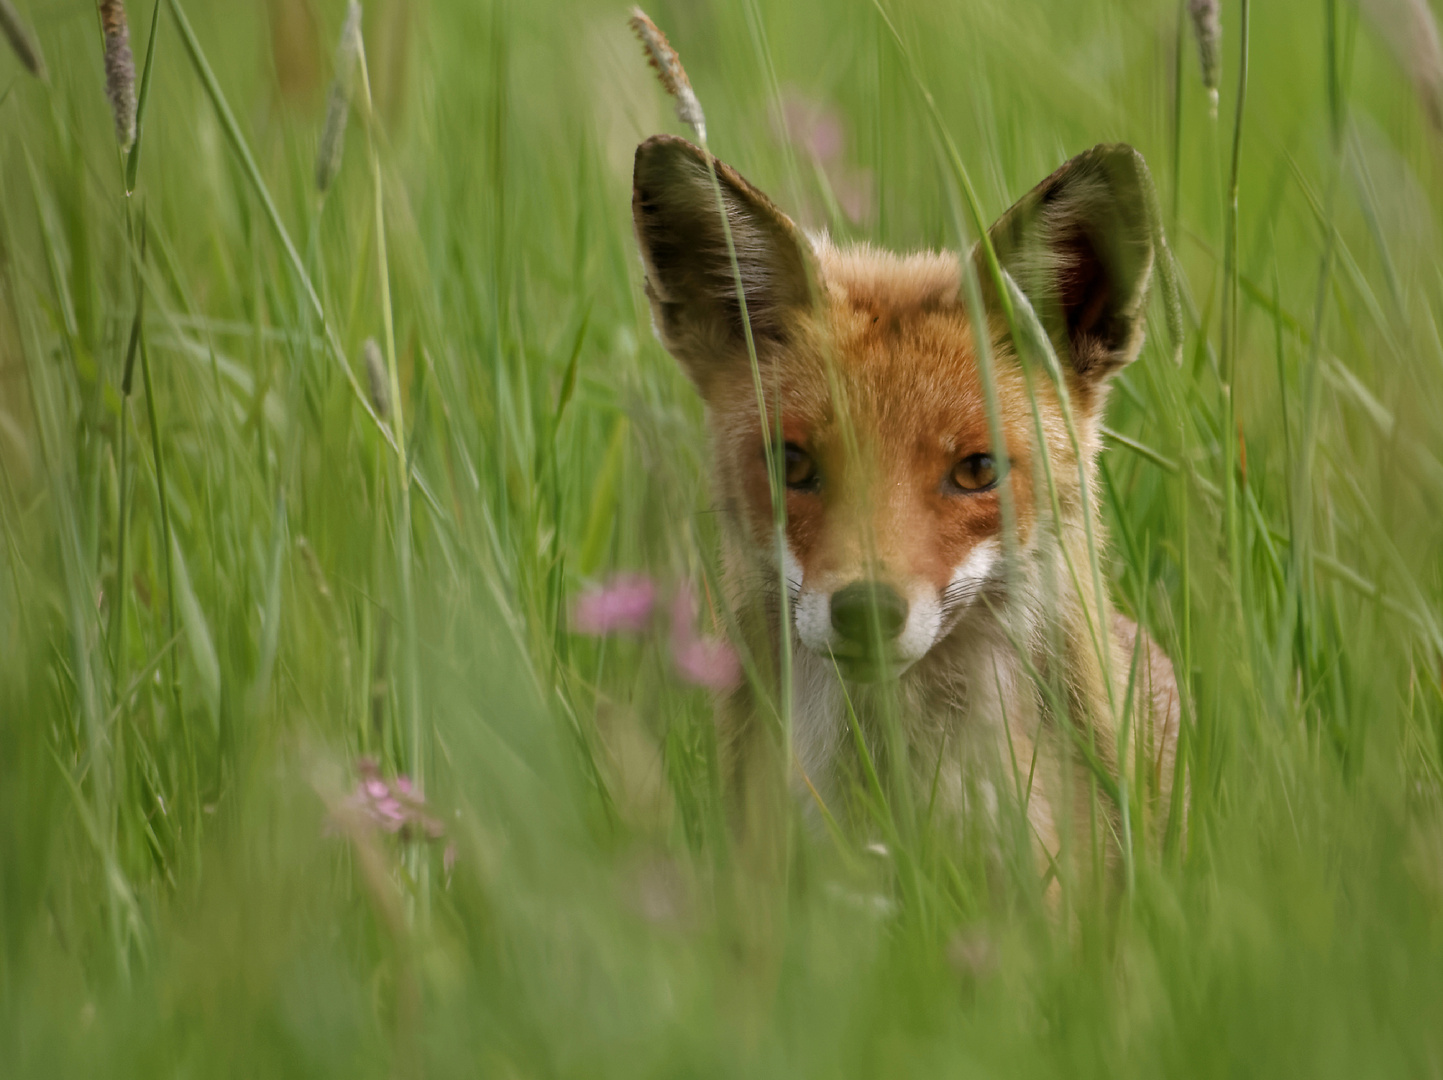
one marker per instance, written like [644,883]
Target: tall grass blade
[253,175]
[132,159]
[197,636]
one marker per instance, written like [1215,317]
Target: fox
[968,644]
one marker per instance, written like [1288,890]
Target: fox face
[867,408]
[893,509]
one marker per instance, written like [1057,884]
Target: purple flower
[853,191]
[624,604]
[704,661]
[814,127]
[389,814]
[394,807]
[710,663]
[819,131]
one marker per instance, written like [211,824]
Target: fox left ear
[1080,246]
[689,272]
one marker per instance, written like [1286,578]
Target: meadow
[305,768]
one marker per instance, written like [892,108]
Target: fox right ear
[1080,246]
[689,277]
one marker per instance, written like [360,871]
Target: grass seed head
[376,376]
[1411,32]
[22,41]
[119,70]
[1207,25]
[338,102]
[667,64]
[313,568]
[1426,60]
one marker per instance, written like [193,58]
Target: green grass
[220,583]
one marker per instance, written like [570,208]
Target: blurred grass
[170,899]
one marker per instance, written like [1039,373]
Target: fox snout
[869,629]
[868,622]
[868,626]
[865,627]
[868,611]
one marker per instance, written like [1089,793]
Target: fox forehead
[892,347]
[882,388]
[884,281]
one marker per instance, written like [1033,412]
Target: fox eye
[800,469]
[977,472]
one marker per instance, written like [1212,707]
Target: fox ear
[1080,246]
[689,277]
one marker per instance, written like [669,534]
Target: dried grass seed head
[377,378]
[22,41]
[1207,27]
[338,101]
[1411,33]
[119,70]
[667,64]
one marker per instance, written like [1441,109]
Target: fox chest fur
[911,527]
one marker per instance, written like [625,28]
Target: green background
[174,717]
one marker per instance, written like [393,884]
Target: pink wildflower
[819,131]
[815,128]
[394,808]
[709,662]
[853,191]
[624,604]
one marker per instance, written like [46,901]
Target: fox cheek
[972,576]
[813,619]
[792,568]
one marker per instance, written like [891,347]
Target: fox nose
[855,606]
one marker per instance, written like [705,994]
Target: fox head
[877,423]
